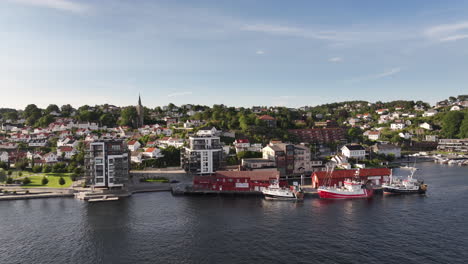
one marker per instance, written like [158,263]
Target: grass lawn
[36,180]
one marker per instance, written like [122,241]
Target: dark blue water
[160,228]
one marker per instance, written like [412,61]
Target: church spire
[139,99]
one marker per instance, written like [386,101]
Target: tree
[44,121]
[3,165]
[61,181]
[451,124]
[2,175]
[26,181]
[21,164]
[66,110]
[464,127]
[36,168]
[52,108]
[46,169]
[13,116]
[128,116]
[107,120]
[44,180]
[31,113]
[355,134]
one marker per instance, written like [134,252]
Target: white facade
[133,145]
[426,126]
[397,126]
[4,156]
[351,152]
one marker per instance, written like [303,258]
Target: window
[99,180]
[115,147]
[98,161]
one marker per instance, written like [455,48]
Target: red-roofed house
[376,175]
[269,120]
[153,153]
[66,152]
[133,145]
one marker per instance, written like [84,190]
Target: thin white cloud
[335,59]
[454,38]
[386,73]
[448,32]
[179,94]
[293,32]
[65,5]
[260,52]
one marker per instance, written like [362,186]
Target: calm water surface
[160,228]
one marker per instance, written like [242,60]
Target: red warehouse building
[376,175]
[241,181]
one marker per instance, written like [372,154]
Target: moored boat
[407,185]
[275,192]
[350,189]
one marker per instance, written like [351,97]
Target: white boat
[275,192]
[408,185]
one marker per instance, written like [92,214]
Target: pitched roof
[266,117]
[132,142]
[242,141]
[65,148]
[150,149]
[355,147]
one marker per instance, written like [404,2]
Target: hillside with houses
[290,140]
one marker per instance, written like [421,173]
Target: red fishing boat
[350,189]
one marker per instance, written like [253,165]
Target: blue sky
[238,53]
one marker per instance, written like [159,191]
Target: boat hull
[387,190]
[332,194]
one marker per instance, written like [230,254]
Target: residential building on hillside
[107,164]
[203,155]
[269,120]
[426,126]
[208,131]
[355,151]
[430,112]
[372,135]
[133,145]
[289,159]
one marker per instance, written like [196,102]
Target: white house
[431,112]
[353,151]
[152,153]
[4,156]
[426,126]
[133,145]
[405,135]
[456,108]
[397,125]
[136,157]
[208,131]
[66,152]
[50,157]
[372,135]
